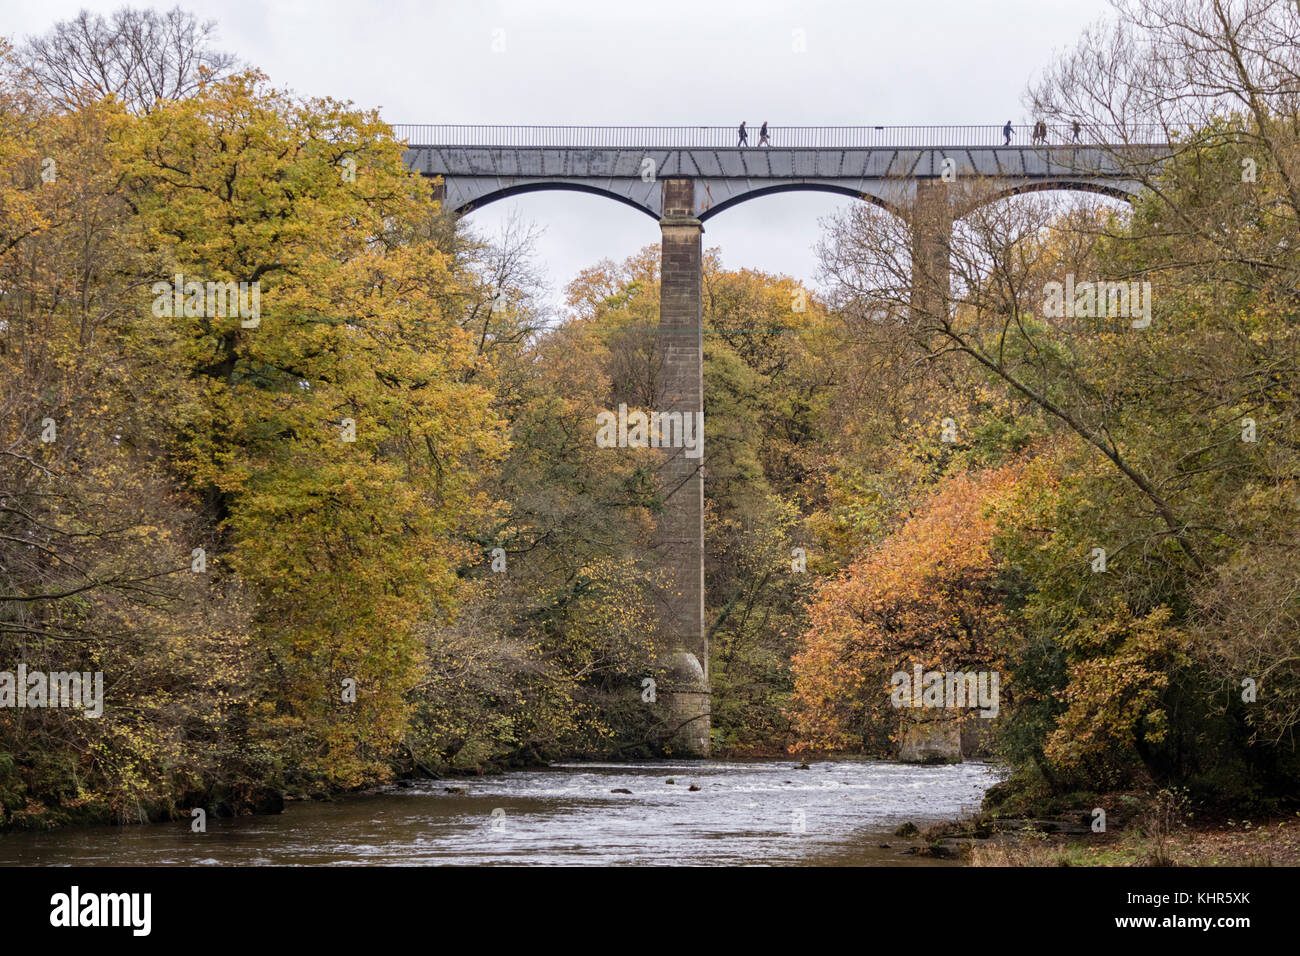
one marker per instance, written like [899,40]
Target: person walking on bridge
[762,135]
[744,137]
[1006,133]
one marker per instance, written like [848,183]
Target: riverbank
[1151,840]
[1268,842]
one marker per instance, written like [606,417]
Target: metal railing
[779,137]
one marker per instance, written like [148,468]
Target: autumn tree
[927,595]
[98,540]
[140,56]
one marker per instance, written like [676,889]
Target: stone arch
[799,187]
[533,186]
[1064,185]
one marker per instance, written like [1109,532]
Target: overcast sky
[635,62]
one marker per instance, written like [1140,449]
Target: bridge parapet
[782,137]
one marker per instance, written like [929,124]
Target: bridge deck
[482,164]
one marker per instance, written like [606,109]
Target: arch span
[1061,185]
[799,187]
[516,189]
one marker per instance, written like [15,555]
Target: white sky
[637,62]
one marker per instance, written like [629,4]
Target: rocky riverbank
[1070,840]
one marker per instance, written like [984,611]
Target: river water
[753,812]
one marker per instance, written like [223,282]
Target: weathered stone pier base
[930,736]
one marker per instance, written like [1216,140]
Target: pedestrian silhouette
[744,137]
[1040,132]
[1006,132]
[762,135]
[1074,128]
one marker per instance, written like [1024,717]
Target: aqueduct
[682,176]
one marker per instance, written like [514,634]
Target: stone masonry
[679,538]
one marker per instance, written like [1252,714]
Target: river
[753,812]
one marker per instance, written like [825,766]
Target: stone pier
[930,736]
[679,535]
[931,218]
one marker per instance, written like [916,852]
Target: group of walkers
[1039,135]
[744,135]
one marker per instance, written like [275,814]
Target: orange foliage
[925,595]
